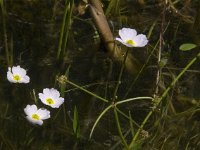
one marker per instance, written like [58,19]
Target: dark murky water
[33,29]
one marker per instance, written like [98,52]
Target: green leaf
[187,46]
[131,123]
[75,119]
[163,62]
[76,127]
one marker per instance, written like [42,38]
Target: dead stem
[159,71]
[99,18]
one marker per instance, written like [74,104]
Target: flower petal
[47,92]
[30,109]
[127,34]
[18,70]
[122,34]
[42,97]
[140,40]
[55,93]
[52,94]
[10,77]
[120,40]
[43,113]
[16,74]
[58,102]
[21,72]
[39,122]
[25,79]
[130,38]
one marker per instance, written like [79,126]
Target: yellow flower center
[131,42]
[35,117]
[16,77]
[50,101]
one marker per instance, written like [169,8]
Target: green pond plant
[129,38]
[130,41]
[129,139]
[9,51]
[65,28]
[50,97]
[158,100]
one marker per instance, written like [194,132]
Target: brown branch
[103,28]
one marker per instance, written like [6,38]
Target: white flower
[130,38]
[51,97]
[36,116]
[17,75]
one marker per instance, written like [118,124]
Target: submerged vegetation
[123,74]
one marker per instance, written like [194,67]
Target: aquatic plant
[35,115]
[65,28]
[130,38]
[16,74]
[8,48]
[103,103]
[51,97]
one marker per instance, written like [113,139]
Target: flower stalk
[119,129]
[90,93]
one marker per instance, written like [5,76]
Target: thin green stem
[64,115]
[11,52]
[177,78]
[113,8]
[147,61]
[68,24]
[162,97]
[131,123]
[5,32]
[119,129]
[120,75]
[110,106]
[6,142]
[141,70]
[140,129]
[98,119]
[123,114]
[34,96]
[116,145]
[62,30]
[132,99]
[62,89]
[89,85]
[79,87]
